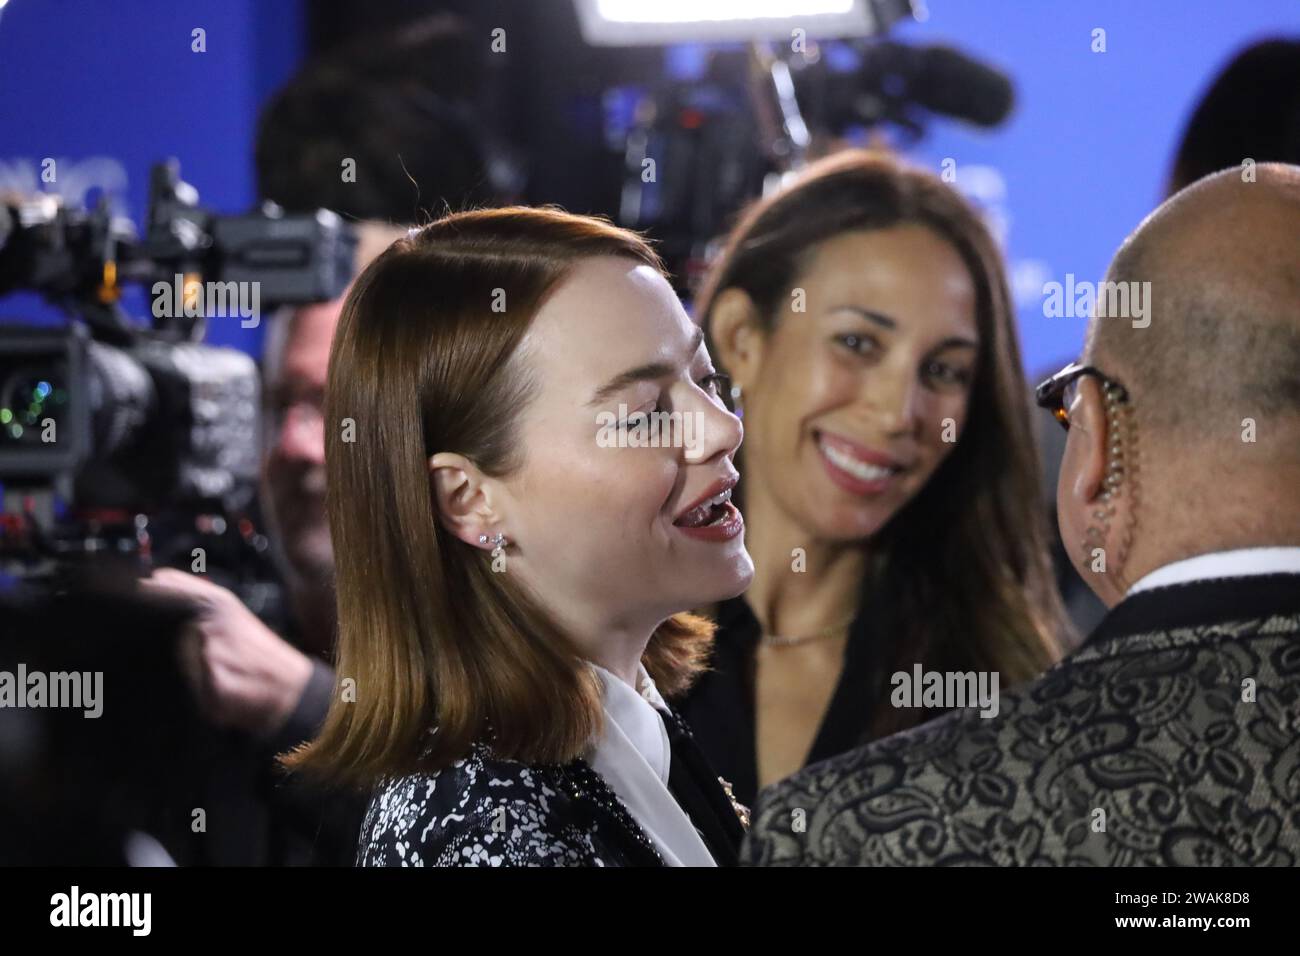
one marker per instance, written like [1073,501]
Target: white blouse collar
[637,714]
[634,756]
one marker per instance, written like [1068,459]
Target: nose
[300,435]
[717,431]
[893,395]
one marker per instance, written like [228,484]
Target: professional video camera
[125,446]
[106,424]
[775,91]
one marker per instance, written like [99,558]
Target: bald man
[1169,737]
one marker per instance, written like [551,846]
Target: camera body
[106,423]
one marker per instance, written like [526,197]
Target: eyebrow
[644,373]
[878,318]
[884,321]
[955,342]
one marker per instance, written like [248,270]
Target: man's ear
[1088,426]
[463,496]
[737,338]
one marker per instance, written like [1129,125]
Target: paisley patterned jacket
[1171,737]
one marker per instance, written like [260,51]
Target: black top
[720,706]
[1167,739]
[486,810]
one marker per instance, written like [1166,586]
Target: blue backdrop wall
[107,86]
[1086,153]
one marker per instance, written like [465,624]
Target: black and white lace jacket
[487,811]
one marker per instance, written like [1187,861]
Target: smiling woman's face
[604,528]
[858,399]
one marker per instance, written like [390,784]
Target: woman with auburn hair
[891,484]
[514,558]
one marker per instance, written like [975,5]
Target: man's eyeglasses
[1058,392]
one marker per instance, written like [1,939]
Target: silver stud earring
[498,542]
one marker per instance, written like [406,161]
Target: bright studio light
[636,22]
[693,11]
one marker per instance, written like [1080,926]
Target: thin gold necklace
[782,640]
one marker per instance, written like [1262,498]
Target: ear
[464,497]
[1088,428]
[737,337]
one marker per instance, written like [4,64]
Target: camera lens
[31,397]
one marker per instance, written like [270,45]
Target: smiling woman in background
[511,588]
[890,483]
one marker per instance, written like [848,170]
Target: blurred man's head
[296,359]
[1199,450]
[294,437]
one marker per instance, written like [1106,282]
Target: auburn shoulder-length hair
[964,566]
[424,360]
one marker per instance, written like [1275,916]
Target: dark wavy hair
[963,568]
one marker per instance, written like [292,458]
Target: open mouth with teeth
[711,511]
[859,469]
